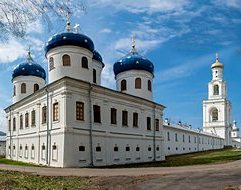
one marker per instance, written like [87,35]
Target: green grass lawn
[206,157]
[18,181]
[13,162]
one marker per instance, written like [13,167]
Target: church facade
[73,121]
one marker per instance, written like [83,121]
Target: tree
[15,15]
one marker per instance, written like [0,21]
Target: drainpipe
[10,136]
[47,118]
[91,127]
[154,133]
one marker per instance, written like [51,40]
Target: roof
[70,38]
[29,68]
[133,61]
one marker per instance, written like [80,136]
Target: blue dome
[69,38]
[97,56]
[29,69]
[133,61]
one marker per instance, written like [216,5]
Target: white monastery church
[73,121]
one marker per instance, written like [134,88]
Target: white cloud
[11,51]
[108,76]
[143,45]
[229,3]
[143,6]
[106,30]
[167,5]
[35,27]
[183,70]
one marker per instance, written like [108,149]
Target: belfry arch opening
[214,115]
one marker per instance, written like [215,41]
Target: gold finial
[68,27]
[133,43]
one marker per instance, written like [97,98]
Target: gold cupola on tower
[217,64]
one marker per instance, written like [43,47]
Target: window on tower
[214,115]
[123,85]
[35,87]
[149,85]
[138,83]
[215,89]
[85,62]
[14,90]
[51,63]
[23,88]
[66,60]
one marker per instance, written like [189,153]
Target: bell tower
[217,109]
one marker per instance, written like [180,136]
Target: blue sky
[180,37]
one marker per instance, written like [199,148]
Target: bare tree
[15,15]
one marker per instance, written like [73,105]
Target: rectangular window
[32,152]
[148,123]
[80,111]
[54,153]
[135,119]
[14,124]
[9,125]
[168,136]
[43,152]
[26,152]
[124,118]
[26,120]
[81,148]
[157,124]
[44,114]
[113,112]
[33,118]
[21,121]
[98,149]
[97,115]
[56,111]
[20,151]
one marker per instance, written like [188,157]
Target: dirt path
[218,176]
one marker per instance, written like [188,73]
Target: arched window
[51,63]
[66,60]
[14,90]
[149,85]
[35,87]
[123,85]
[23,88]
[214,115]
[216,90]
[138,83]
[94,76]
[84,62]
